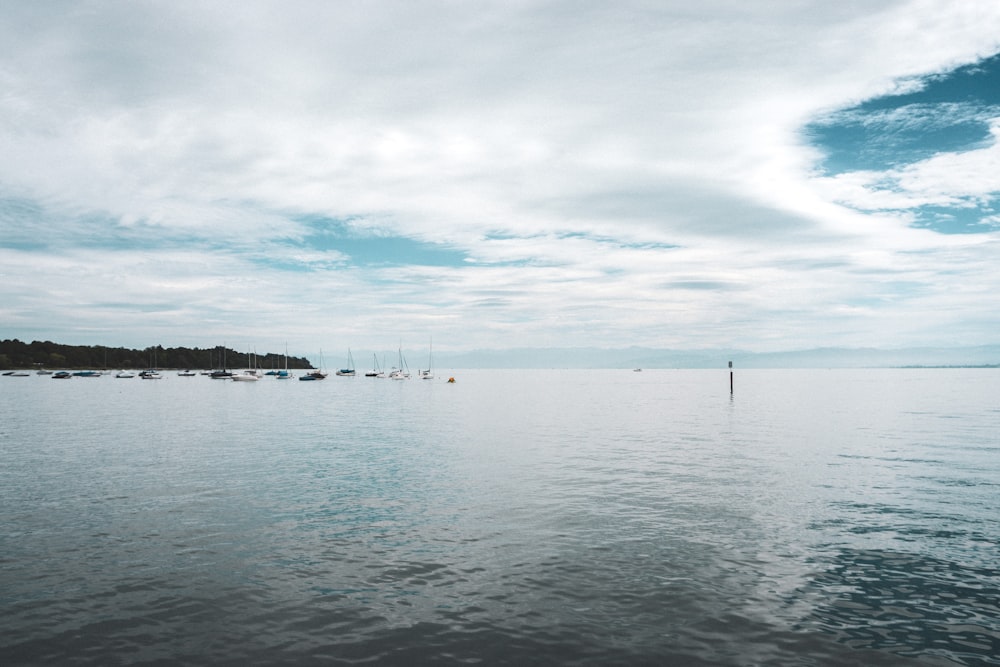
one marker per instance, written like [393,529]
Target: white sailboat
[429,373]
[251,374]
[403,372]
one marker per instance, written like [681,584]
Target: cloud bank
[496,175]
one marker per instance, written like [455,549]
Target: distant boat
[375,371]
[151,374]
[284,374]
[42,371]
[62,375]
[636,370]
[17,374]
[349,371]
[315,374]
[186,374]
[124,374]
[428,374]
[87,374]
[222,373]
[401,373]
[251,374]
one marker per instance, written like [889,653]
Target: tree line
[15,354]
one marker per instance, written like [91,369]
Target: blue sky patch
[953,220]
[946,113]
[363,248]
[949,113]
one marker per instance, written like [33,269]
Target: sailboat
[374,372]
[152,373]
[349,371]
[222,373]
[284,374]
[428,374]
[403,372]
[251,374]
[315,375]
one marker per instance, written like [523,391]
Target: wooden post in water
[730,377]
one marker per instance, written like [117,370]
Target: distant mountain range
[636,357]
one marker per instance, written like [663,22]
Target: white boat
[186,373]
[251,374]
[151,374]
[349,371]
[428,374]
[125,374]
[401,373]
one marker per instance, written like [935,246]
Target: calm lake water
[821,517]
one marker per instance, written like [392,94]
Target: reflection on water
[523,517]
[908,604]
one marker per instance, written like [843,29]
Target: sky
[765,176]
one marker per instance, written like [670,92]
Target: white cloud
[616,173]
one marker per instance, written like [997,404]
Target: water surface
[818,517]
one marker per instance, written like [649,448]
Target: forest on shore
[17,355]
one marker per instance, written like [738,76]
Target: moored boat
[283,374]
[374,372]
[249,375]
[315,374]
[349,370]
[429,373]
